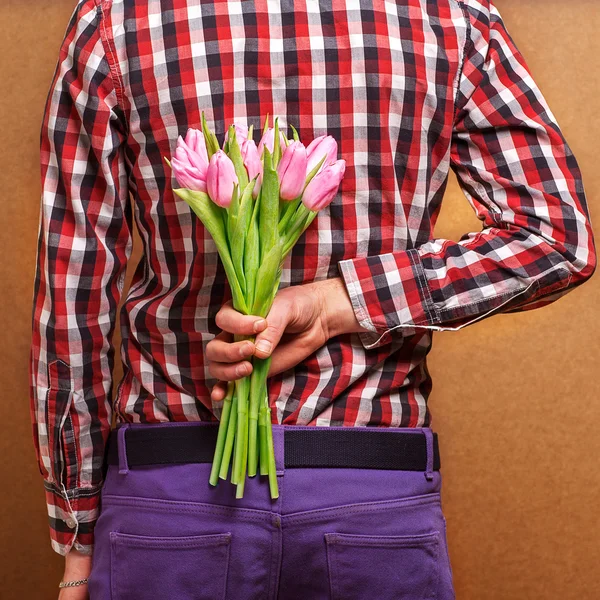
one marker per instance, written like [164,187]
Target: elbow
[589,267]
[583,260]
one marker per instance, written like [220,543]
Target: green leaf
[234,153]
[250,131]
[276,145]
[288,212]
[212,145]
[211,216]
[294,235]
[266,278]
[237,239]
[304,219]
[235,204]
[313,172]
[167,161]
[269,206]
[252,254]
[295,133]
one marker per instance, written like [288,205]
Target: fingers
[225,357]
[219,350]
[231,366]
[234,321]
[277,319]
[219,391]
[230,371]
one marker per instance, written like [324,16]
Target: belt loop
[278,448]
[429,443]
[123,466]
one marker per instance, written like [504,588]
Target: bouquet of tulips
[255,201]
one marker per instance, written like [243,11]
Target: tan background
[516,397]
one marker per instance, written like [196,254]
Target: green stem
[263,423]
[233,476]
[221,435]
[252,445]
[258,384]
[227,450]
[273,486]
[242,387]
[241,479]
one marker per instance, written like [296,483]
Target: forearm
[84,241]
[522,180]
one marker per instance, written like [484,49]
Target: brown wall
[516,397]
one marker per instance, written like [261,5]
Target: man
[409,90]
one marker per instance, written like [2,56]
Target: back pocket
[383,567]
[191,567]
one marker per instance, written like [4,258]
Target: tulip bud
[252,163]
[220,179]
[190,162]
[268,140]
[324,145]
[188,176]
[323,187]
[241,132]
[195,141]
[292,171]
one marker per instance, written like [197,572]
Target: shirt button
[71,522]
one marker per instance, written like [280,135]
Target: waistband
[402,448]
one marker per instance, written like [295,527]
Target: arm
[83,245]
[520,176]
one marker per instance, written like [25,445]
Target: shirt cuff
[72,516]
[388,292]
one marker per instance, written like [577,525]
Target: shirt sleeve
[519,175]
[84,242]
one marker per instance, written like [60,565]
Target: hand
[301,320]
[77,566]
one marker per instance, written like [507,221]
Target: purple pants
[337,534]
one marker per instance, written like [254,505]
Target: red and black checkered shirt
[409,88]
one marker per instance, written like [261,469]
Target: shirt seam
[429,308]
[110,52]
[467,46]
[73,492]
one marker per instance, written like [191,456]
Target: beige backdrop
[516,397]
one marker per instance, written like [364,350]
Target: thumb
[277,320]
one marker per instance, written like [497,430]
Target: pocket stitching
[379,505]
[187,541]
[402,541]
[184,507]
[119,538]
[337,539]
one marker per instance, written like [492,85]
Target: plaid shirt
[409,89]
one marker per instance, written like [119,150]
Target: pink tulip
[252,163]
[323,187]
[292,171]
[195,141]
[241,132]
[268,140]
[188,176]
[220,179]
[190,161]
[324,145]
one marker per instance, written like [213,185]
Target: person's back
[409,90]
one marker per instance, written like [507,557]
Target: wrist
[337,309]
